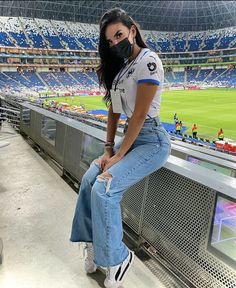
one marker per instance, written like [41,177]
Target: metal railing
[10,112]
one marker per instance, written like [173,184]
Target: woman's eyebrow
[114,35]
[117,33]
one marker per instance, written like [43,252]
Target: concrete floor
[36,209]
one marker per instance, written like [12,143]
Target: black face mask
[123,49]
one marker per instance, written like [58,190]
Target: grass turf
[210,109]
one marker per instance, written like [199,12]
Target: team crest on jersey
[130,72]
[152,66]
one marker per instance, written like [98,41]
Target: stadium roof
[151,15]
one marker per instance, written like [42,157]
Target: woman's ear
[134,31]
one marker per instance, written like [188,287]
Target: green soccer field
[210,109]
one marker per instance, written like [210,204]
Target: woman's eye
[119,35]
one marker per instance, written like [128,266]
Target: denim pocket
[160,129]
[161,134]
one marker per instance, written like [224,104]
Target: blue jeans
[97,215]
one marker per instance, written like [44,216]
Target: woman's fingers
[103,163]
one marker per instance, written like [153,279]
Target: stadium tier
[73,81]
[48,81]
[41,33]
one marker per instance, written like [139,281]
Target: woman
[133,77]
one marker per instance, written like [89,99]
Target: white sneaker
[89,265]
[116,274]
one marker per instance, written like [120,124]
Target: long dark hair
[110,64]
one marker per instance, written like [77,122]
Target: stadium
[53,123]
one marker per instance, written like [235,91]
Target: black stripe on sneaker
[118,273]
[127,266]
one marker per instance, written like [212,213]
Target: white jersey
[146,68]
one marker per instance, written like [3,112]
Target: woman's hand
[113,160]
[106,156]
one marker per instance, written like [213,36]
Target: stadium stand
[15,32]
[32,30]
[41,33]
[88,80]
[25,32]
[51,34]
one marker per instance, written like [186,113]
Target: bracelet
[109,144]
[108,148]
